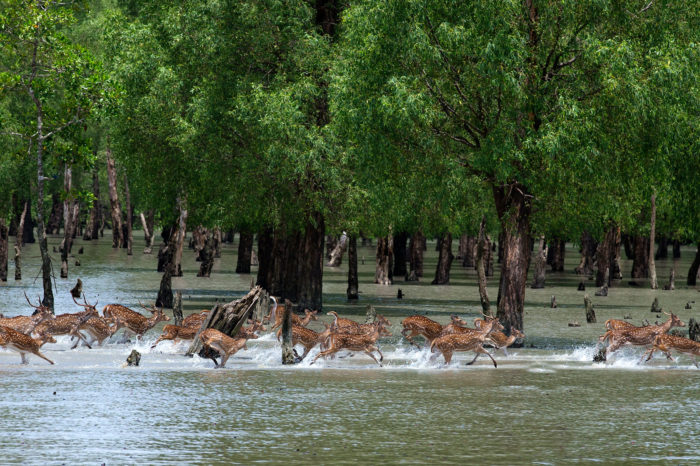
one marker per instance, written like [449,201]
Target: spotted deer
[296,320]
[64,324]
[196,319]
[132,320]
[466,341]
[614,324]
[665,343]
[501,341]
[176,332]
[221,343]
[344,325]
[98,329]
[24,344]
[308,338]
[428,328]
[639,336]
[27,324]
[354,342]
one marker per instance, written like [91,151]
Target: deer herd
[27,334]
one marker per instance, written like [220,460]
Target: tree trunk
[676,249]
[336,257]
[652,234]
[445,257]
[629,249]
[245,249]
[180,239]
[177,309]
[68,221]
[694,267]
[18,242]
[590,313]
[416,257]
[483,250]
[92,229]
[148,230]
[352,291]
[588,248]
[117,238]
[382,275]
[514,209]
[467,246]
[310,260]
[265,258]
[640,266]
[4,249]
[217,242]
[540,265]
[662,251]
[671,285]
[53,226]
[604,256]
[129,218]
[287,344]
[555,254]
[165,292]
[615,258]
[400,254]
[229,318]
[206,256]
[331,242]
[166,264]
[501,239]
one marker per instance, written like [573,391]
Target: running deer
[308,338]
[354,342]
[27,324]
[639,336]
[296,320]
[467,341]
[13,340]
[196,319]
[614,324]
[132,320]
[64,324]
[343,325]
[428,328]
[223,344]
[665,343]
[501,341]
[176,332]
[98,328]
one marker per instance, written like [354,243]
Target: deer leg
[448,356]
[325,353]
[505,351]
[649,352]
[480,350]
[369,353]
[409,337]
[695,362]
[43,357]
[224,358]
[472,361]
[24,358]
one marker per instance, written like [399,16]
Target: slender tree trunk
[287,343]
[181,233]
[165,292]
[482,250]
[588,248]
[92,230]
[336,256]
[206,257]
[615,258]
[445,257]
[129,218]
[4,249]
[640,266]
[331,241]
[68,222]
[382,275]
[18,242]
[148,233]
[540,265]
[555,254]
[694,267]
[400,253]
[117,238]
[416,256]
[652,234]
[468,250]
[514,210]
[352,291]
[53,226]
[245,250]
[217,242]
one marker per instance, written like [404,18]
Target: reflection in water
[544,404]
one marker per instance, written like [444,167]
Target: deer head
[458,320]
[675,321]
[311,314]
[38,309]
[90,308]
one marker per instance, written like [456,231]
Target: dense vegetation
[297,120]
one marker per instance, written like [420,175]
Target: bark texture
[287,345]
[352,291]
[180,237]
[416,256]
[53,225]
[483,250]
[604,257]
[206,257]
[555,254]
[245,249]
[540,265]
[652,234]
[467,248]
[383,270]
[147,223]
[445,257]
[514,210]
[336,255]
[588,249]
[4,249]
[640,265]
[68,221]
[116,211]
[590,313]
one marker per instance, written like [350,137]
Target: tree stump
[590,313]
[694,329]
[206,256]
[540,265]
[655,307]
[228,318]
[177,309]
[165,292]
[352,291]
[553,302]
[77,290]
[245,252]
[336,255]
[134,358]
[371,314]
[287,342]
[671,285]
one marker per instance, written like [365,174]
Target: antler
[30,303]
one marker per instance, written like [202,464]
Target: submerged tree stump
[134,358]
[694,329]
[206,256]
[77,290]
[370,314]
[228,318]
[590,313]
[655,307]
[177,309]
[287,343]
[540,265]
[336,255]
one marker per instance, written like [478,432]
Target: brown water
[544,404]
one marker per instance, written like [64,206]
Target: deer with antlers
[639,336]
[471,340]
[64,324]
[428,328]
[343,325]
[134,322]
[296,320]
[26,324]
[223,344]
[24,344]
[98,329]
[665,343]
[354,342]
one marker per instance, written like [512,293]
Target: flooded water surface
[545,403]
